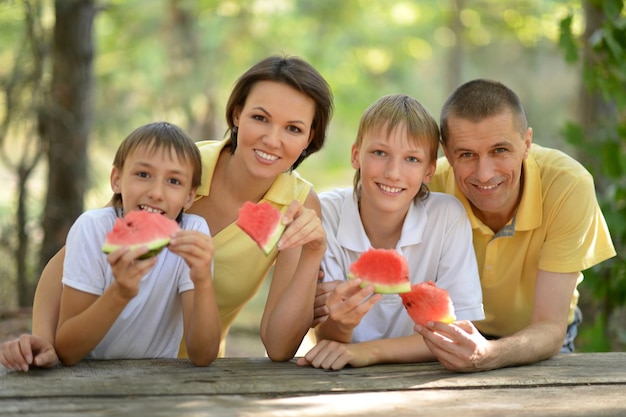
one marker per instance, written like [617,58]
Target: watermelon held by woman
[385,269]
[427,302]
[141,228]
[262,222]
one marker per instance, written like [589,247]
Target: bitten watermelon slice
[262,222]
[427,302]
[385,269]
[141,228]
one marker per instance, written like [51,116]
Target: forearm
[80,334]
[408,349]
[47,300]
[286,324]
[535,343]
[331,330]
[202,333]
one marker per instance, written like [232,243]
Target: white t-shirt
[151,325]
[436,240]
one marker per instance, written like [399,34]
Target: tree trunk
[66,120]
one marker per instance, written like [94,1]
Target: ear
[430,172]
[528,140]
[190,198]
[116,181]
[236,115]
[354,157]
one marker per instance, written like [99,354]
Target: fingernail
[29,359]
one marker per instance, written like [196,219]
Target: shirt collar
[351,234]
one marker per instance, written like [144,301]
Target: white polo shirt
[436,240]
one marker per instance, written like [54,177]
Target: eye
[294,129]
[499,150]
[259,117]
[379,153]
[142,174]
[413,159]
[465,155]
[175,181]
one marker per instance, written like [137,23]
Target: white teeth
[267,156]
[151,209]
[491,187]
[388,189]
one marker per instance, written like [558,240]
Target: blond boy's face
[393,168]
[154,180]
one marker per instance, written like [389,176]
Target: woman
[277,114]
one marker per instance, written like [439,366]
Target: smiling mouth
[388,189]
[151,209]
[266,156]
[486,187]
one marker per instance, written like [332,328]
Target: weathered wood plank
[259,376]
[560,401]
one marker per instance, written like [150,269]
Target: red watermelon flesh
[262,222]
[141,228]
[385,269]
[427,302]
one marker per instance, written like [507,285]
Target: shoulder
[194,222]
[438,202]
[560,173]
[105,215]
[333,200]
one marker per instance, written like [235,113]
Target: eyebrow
[143,164]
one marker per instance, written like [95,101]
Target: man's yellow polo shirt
[558,227]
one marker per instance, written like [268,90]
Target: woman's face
[274,127]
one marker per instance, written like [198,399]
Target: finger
[46,359]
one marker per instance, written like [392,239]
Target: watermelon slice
[427,302]
[262,222]
[141,228]
[385,269]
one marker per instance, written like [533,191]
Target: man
[536,225]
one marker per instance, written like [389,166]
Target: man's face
[487,161]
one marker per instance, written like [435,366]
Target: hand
[128,269]
[26,351]
[197,249]
[348,303]
[458,347]
[328,354]
[304,228]
[323,290]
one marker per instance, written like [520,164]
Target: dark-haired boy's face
[154,180]
[487,159]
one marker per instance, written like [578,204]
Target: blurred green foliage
[604,74]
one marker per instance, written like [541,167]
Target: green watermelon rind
[155,247]
[384,288]
[273,238]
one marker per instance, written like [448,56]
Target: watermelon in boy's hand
[141,228]
[262,222]
[385,269]
[427,302]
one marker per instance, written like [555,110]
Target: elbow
[204,359]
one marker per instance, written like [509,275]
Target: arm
[334,355]
[200,314]
[38,348]
[288,310]
[85,319]
[461,348]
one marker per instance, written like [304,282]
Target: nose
[272,137]
[485,169]
[392,169]
[156,190]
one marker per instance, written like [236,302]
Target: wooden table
[590,384]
